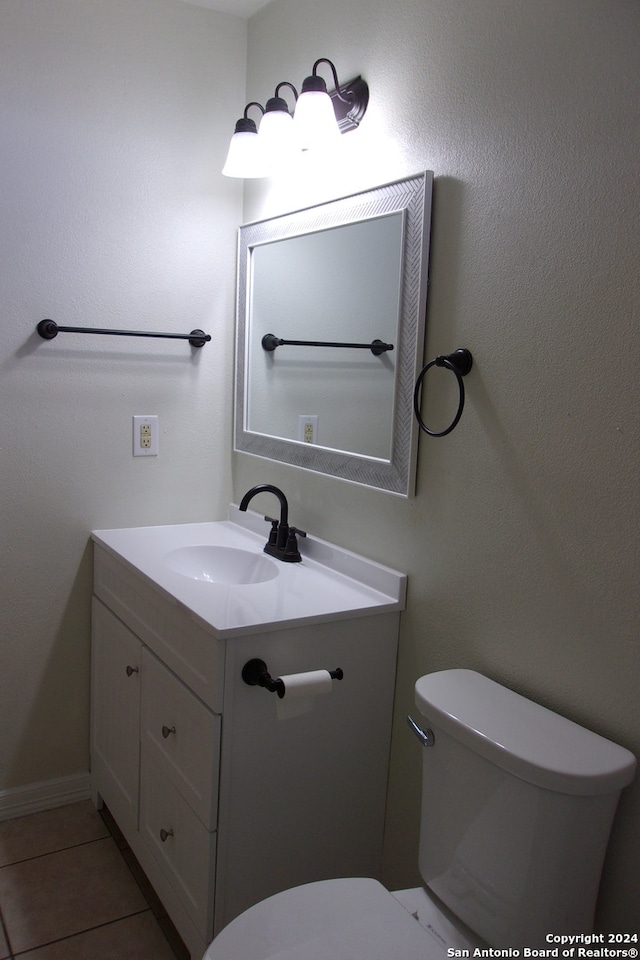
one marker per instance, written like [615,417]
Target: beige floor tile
[65,893]
[135,938]
[51,830]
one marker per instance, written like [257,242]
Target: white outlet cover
[150,421]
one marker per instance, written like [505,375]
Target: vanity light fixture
[318,117]
[315,118]
[277,131]
[246,157]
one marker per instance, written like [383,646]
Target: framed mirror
[330,334]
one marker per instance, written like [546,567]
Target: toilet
[517,807]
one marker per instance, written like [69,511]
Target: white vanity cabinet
[154,762]
[223,799]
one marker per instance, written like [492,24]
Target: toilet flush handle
[425,737]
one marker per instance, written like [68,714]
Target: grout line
[6,935]
[50,853]
[78,933]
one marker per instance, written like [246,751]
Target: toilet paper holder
[256,674]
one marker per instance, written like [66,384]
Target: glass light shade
[278,136]
[315,119]
[246,157]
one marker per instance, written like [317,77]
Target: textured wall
[522,543]
[115,119]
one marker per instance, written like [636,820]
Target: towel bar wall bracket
[49,329]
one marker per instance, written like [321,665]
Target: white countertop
[330,583]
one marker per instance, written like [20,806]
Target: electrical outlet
[308,428]
[145,436]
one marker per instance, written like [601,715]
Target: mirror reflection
[350,271]
[336,397]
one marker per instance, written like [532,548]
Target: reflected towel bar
[48,329]
[270,342]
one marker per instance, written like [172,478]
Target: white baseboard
[36,797]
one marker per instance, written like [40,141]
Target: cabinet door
[115,715]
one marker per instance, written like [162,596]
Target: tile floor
[70,889]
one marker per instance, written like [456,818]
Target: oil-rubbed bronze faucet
[282,543]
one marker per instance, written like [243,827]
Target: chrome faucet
[282,542]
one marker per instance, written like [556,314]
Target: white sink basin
[218,571]
[221,564]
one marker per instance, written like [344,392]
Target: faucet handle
[291,551]
[273,533]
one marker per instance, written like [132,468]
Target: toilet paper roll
[300,691]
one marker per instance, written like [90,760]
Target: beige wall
[115,119]
[522,542]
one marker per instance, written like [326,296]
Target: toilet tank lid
[522,737]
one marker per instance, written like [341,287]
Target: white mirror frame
[412,196]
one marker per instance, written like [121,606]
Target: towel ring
[459,362]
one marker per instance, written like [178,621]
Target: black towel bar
[377,347]
[48,329]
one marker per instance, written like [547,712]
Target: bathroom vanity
[225,792]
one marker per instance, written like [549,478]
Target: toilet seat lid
[345,919]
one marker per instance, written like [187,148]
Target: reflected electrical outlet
[308,428]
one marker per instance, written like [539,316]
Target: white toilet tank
[517,807]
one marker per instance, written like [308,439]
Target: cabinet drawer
[183,736]
[179,842]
